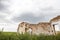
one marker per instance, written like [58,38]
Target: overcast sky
[14,11]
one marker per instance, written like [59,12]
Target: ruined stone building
[55,22]
[39,28]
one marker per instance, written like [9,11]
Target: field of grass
[14,36]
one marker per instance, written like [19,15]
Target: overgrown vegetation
[14,36]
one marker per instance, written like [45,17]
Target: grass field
[14,36]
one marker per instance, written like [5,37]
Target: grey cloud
[45,14]
[48,9]
[2,16]
[30,18]
[3,6]
[3,11]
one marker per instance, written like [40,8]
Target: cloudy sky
[12,12]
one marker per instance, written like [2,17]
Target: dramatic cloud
[28,17]
[48,9]
[15,11]
[4,4]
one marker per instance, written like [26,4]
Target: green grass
[14,36]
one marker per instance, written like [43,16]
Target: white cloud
[16,8]
[35,6]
